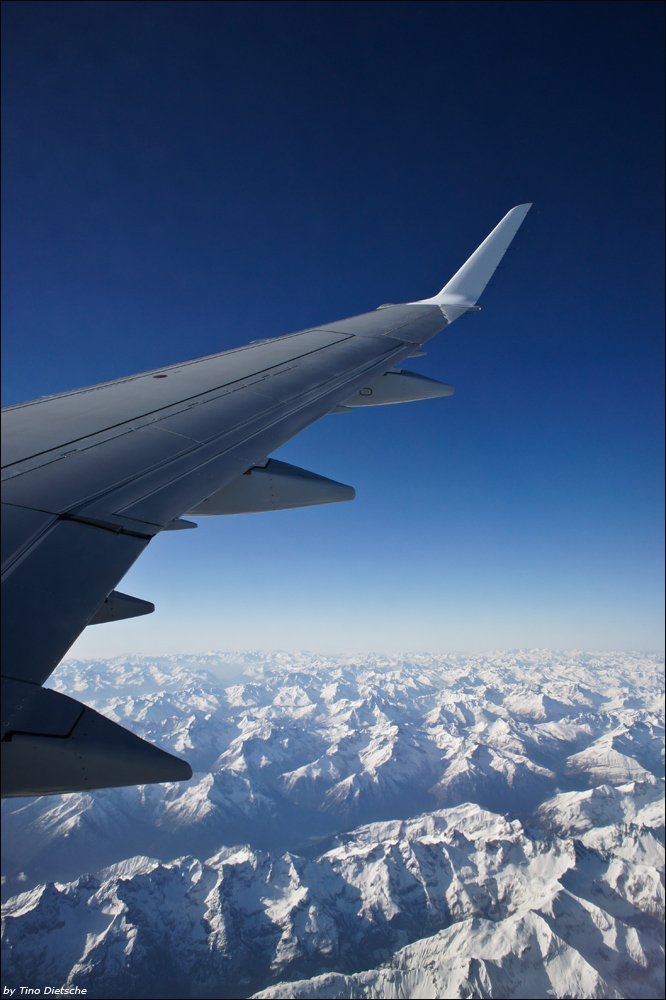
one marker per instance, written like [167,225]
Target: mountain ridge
[397,808]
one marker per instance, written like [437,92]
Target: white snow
[417,826]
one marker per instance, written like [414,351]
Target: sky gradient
[181,178]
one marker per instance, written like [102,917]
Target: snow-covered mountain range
[426,825]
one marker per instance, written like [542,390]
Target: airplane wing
[90,477]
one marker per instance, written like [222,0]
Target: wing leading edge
[91,476]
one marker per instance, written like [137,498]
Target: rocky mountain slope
[371,826]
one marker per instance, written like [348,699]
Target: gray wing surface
[91,476]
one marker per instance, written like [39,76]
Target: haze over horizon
[434,825]
[180,179]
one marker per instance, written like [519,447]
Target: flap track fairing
[275,486]
[399,387]
[118,606]
[54,744]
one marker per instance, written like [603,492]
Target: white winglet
[465,287]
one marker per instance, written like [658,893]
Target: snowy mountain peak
[412,826]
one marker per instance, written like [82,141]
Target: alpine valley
[372,826]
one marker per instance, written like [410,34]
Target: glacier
[486,825]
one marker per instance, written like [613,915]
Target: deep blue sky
[180,178]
